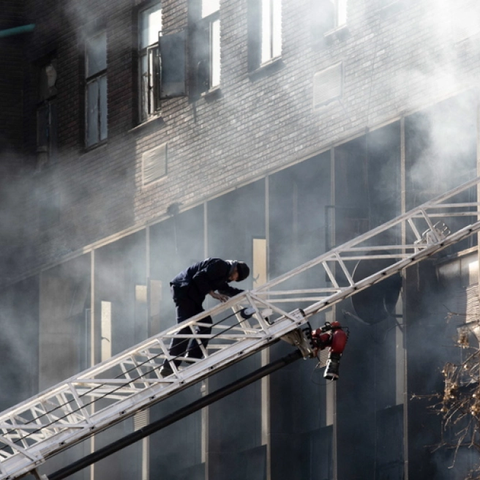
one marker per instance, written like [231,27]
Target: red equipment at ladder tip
[333,336]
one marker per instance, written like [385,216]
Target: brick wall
[395,60]
[11,82]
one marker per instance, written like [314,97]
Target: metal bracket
[302,339]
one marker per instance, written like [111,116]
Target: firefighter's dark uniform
[189,289]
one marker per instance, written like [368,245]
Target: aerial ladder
[129,382]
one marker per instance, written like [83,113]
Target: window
[161,63]
[340,16]
[96,89]
[328,15]
[264,32]
[205,45]
[271,37]
[210,14]
[150,29]
[47,115]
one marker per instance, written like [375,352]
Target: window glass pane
[215,53]
[92,113]
[271,30]
[103,106]
[150,26]
[276,28]
[96,54]
[266,31]
[209,7]
[341,12]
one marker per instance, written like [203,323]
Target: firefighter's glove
[219,296]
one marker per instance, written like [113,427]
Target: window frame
[205,52]
[97,78]
[329,21]
[274,35]
[149,65]
[46,114]
[341,13]
[214,69]
[258,65]
[215,47]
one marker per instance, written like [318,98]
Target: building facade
[141,136]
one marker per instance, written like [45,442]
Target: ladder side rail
[453,214]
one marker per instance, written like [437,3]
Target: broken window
[96,89]
[150,30]
[205,49]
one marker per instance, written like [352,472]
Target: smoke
[443,146]
[443,152]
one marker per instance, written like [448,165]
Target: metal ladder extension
[107,393]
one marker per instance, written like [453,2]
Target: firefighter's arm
[204,279]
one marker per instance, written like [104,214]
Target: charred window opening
[47,114]
[96,89]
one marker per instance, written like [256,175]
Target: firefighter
[330,335]
[189,290]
